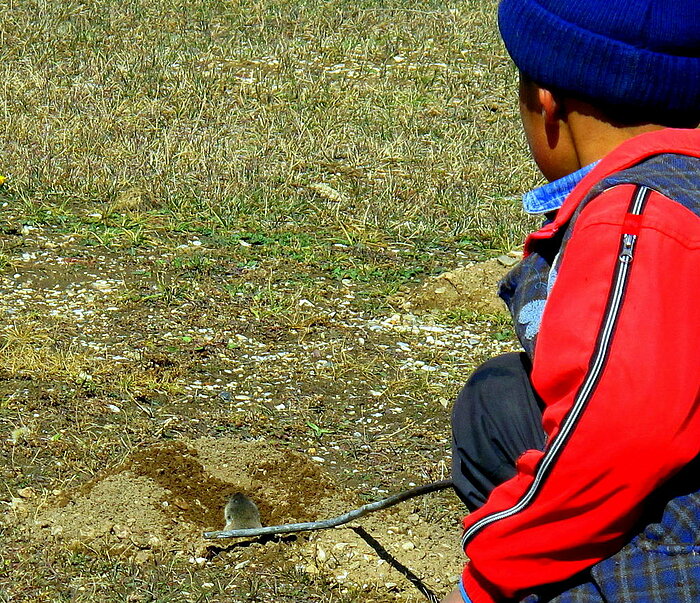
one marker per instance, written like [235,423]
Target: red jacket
[616,363]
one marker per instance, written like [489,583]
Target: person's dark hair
[629,116]
[624,115]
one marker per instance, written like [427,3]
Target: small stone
[142,557]
[27,492]
[506,260]
[181,504]
[311,569]
[198,560]
[408,546]
[321,555]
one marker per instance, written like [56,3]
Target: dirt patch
[386,551]
[192,495]
[162,497]
[171,481]
[472,287]
[286,486]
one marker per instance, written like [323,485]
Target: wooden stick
[334,521]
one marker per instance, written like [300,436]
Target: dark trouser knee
[497,417]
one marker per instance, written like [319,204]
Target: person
[578,457]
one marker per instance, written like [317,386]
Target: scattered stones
[121,511]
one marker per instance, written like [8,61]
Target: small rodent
[241,513]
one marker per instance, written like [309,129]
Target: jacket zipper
[628,242]
[595,369]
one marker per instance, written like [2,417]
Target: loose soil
[161,499]
[471,287]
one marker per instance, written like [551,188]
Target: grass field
[209,212]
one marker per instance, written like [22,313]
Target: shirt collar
[551,196]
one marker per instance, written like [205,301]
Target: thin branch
[334,521]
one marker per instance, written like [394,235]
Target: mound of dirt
[166,495]
[471,287]
[160,500]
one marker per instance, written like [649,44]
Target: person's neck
[594,137]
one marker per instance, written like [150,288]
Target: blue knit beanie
[635,53]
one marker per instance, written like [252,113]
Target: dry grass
[233,114]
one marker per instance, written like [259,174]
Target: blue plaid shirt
[550,197]
[660,565]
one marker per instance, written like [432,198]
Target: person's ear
[551,107]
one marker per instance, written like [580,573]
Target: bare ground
[137,396]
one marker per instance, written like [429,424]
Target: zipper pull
[627,246]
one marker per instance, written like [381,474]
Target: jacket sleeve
[616,365]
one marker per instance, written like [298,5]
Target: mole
[241,513]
